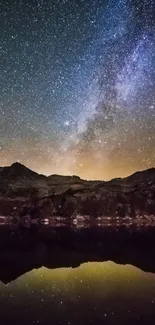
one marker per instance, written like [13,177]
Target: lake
[77,276]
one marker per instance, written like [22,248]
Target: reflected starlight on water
[87,294]
[77,276]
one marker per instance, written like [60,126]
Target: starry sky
[77,86]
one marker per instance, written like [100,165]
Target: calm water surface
[91,292]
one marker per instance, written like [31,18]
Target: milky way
[77,86]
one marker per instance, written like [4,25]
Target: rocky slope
[24,192]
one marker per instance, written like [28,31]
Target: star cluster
[77,86]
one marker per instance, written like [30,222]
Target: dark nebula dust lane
[77,86]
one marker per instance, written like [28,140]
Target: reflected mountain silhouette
[22,250]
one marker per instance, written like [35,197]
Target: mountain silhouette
[65,196]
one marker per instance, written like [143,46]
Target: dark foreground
[82,276]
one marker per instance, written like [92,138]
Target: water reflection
[93,293]
[57,275]
[82,221]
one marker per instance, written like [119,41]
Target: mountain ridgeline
[24,192]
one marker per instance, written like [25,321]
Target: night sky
[77,86]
